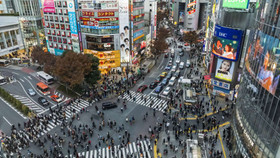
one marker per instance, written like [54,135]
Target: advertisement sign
[138,33]
[226,42]
[124,31]
[87,13]
[102,27]
[91,23]
[261,61]
[224,70]
[181,16]
[106,1]
[98,19]
[73,25]
[237,4]
[104,14]
[107,59]
[49,6]
[87,6]
[109,6]
[220,84]
[191,6]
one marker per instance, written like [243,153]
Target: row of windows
[58,33]
[57,18]
[60,46]
[60,40]
[8,39]
[100,31]
[58,26]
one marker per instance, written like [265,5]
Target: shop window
[64,41]
[70,41]
[56,19]
[67,27]
[50,38]
[49,32]
[59,40]
[62,26]
[53,32]
[54,39]
[63,33]
[2,45]
[61,19]
[57,26]
[59,4]
[46,18]
[51,45]
[67,19]
[55,45]
[52,25]
[65,47]
[65,4]
[60,46]
[69,34]
[51,18]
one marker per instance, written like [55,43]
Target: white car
[178,60]
[174,68]
[31,92]
[166,91]
[181,65]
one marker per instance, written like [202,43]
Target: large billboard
[124,30]
[226,42]
[49,6]
[224,69]
[261,60]
[239,4]
[73,25]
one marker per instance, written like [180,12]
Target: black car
[108,105]
[153,85]
[43,101]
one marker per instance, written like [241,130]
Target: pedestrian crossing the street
[139,149]
[30,104]
[146,100]
[67,113]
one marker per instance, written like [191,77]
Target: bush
[14,102]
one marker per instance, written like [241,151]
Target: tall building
[61,26]
[8,6]
[30,22]
[10,37]
[256,122]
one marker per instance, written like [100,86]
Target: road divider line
[7,121]
[225,156]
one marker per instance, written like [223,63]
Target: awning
[207,77]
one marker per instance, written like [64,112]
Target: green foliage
[14,102]
[191,37]
[94,75]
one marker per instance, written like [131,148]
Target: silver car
[31,92]
[166,91]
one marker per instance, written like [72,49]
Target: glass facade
[257,115]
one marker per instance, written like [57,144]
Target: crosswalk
[159,104]
[30,104]
[61,96]
[139,149]
[68,112]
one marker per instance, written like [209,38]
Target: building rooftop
[8,20]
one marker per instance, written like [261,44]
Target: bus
[46,78]
[2,80]
[4,62]
[42,88]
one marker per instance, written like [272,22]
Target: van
[188,63]
[172,81]
[181,65]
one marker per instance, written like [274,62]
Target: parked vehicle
[188,63]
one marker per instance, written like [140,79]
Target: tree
[49,63]
[72,67]
[191,37]
[94,75]
[38,55]
[158,46]
[163,33]
[161,15]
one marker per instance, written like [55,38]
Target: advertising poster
[124,30]
[261,61]
[73,25]
[49,6]
[191,7]
[236,4]
[181,16]
[226,42]
[224,69]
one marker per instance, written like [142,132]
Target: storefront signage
[90,23]
[135,39]
[107,45]
[49,6]
[238,4]
[87,6]
[73,25]
[138,33]
[98,19]
[191,6]
[87,13]
[96,27]
[106,1]
[109,6]
[220,84]
[102,14]
[138,16]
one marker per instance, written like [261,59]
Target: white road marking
[21,79]
[7,121]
